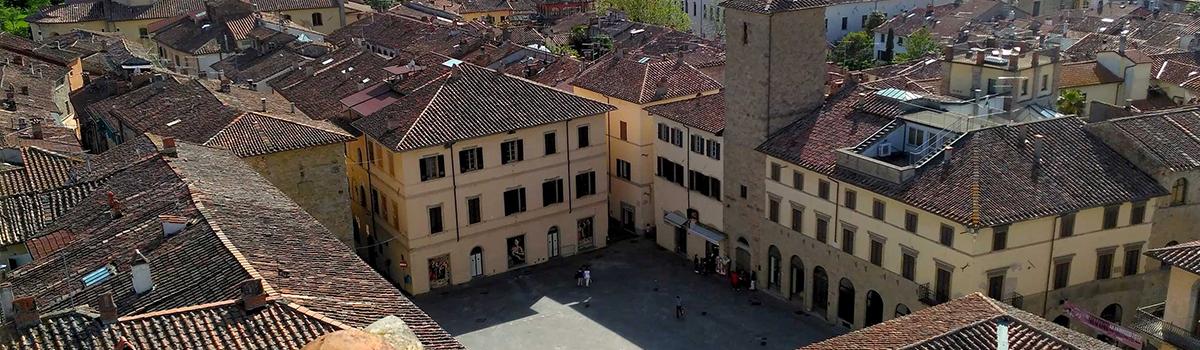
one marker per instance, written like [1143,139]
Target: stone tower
[775,73]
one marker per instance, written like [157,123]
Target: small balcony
[926,295]
[1149,320]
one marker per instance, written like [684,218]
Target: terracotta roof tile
[643,80]
[705,113]
[1170,137]
[255,134]
[1086,74]
[969,322]
[1078,170]
[1184,255]
[36,170]
[470,102]
[773,6]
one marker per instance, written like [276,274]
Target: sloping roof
[38,170]
[773,6]
[255,134]
[469,102]
[25,215]
[318,86]
[1169,137]
[1086,74]
[221,325]
[94,10]
[410,35]
[968,323]
[240,227]
[1077,171]
[1184,255]
[646,79]
[257,65]
[200,36]
[705,113]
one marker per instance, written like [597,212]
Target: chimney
[979,57]
[1121,44]
[225,85]
[254,296]
[143,281]
[250,84]
[1129,104]
[108,309]
[114,206]
[1002,333]
[263,101]
[6,300]
[35,130]
[172,224]
[25,312]
[168,147]
[947,153]
[292,107]
[1038,145]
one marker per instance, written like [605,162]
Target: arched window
[1062,320]
[902,310]
[1179,192]
[316,19]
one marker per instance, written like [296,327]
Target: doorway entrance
[846,302]
[552,242]
[627,215]
[742,257]
[476,262]
[681,240]
[820,298]
[796,278]
[874,312]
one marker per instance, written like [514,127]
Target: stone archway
[741,260]
[796,287]
[1112,313]
[874,312]
[820,291]
[846,302]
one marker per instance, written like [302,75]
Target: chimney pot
[108,309]
[35,130]
[26,312]
[168,147]
[947,154]
[292,107]
[263,100]
[254,296]
[1038,145]
[143,281]
[114,206]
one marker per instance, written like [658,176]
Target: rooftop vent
[143,281]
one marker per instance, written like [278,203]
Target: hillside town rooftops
[1168,136]
[205,223]
[645,79]
[970,322]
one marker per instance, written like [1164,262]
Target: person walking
[678,308]
[587,276]
[696,263]
[579,277]
[733,279]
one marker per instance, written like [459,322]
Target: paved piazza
[629,306]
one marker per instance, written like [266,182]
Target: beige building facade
[451,229]
[687,186]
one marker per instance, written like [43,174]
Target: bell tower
[775,74]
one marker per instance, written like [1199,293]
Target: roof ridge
[310,313]
[197,198]
[420,116]
[297,122]
[642,86]
[224,128]
[181,309]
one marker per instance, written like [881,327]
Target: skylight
[100,275]
[644,60]
[451,62]
[326,62]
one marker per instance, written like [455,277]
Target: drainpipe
[688,160]
[454,193]
[1050,264]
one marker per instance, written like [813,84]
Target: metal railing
[1149,320]
[1015,299]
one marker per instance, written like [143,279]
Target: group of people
[740,279]
[583,276]
[704,266]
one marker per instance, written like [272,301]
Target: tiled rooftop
[705,113]
[240,227]
[773,6]
[1168,137]
[644,79]
[1077,170]
[1184,255]
[468,102]
[1085,74]
[968,323]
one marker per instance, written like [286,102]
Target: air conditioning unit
[885,149]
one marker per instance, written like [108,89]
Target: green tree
[874,20]
[580,44]
[1071,101]
[854,51]
[661,12]
[380,5]
[917,45]
[13,13]
[1192,8]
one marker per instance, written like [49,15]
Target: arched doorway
[902,310]
[846,302]
[742,259]
[773,268]
[1063,320]
[1112,313]
[476,262]
[552,242]
[797,278]
[820,298]
[874,313]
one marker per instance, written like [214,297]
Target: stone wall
[315,178]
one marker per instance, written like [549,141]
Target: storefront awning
[714,236]
[675,219]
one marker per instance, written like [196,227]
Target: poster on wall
[439,271]
[516,251]
[585,233]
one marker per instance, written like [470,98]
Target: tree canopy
[855,51]
[661,12]
[1071,101]
[918,44]
[13,13]
[1192,8]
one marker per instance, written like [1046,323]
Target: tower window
[745,33]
